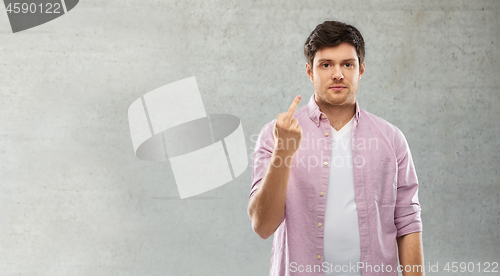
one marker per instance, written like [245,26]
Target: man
[334,183]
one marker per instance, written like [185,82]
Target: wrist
[283,153]
[282,158]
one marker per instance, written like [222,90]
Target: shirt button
[321,193]
[359,192]
[326,133]
[326,163]
[319,257]
[316,121]
[363,223]
[319,224]
[322,116]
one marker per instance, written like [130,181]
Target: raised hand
[287,131]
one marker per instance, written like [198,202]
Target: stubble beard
[332,99]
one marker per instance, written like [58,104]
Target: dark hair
[331,34]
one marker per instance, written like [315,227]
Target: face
[335,74]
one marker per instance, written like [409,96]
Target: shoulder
[379,126]
[377,122]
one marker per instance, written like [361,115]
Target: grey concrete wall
[74,200]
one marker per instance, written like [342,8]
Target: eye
[325,65]
[348,65]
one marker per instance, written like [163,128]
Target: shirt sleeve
[262,155]
[407,210]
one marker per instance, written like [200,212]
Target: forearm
[266,207]
[411,255]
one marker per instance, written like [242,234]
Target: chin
[337,101]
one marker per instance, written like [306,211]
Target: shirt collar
[315,113]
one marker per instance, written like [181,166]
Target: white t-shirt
[342,247]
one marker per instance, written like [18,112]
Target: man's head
[335,53]
[331,34]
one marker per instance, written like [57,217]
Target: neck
[338,115]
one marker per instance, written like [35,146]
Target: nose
[337,73]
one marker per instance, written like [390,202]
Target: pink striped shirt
[385,186]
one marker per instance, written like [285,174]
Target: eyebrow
[345,60]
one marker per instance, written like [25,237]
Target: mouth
[337,87]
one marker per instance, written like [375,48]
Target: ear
[309,72]
[361,70]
